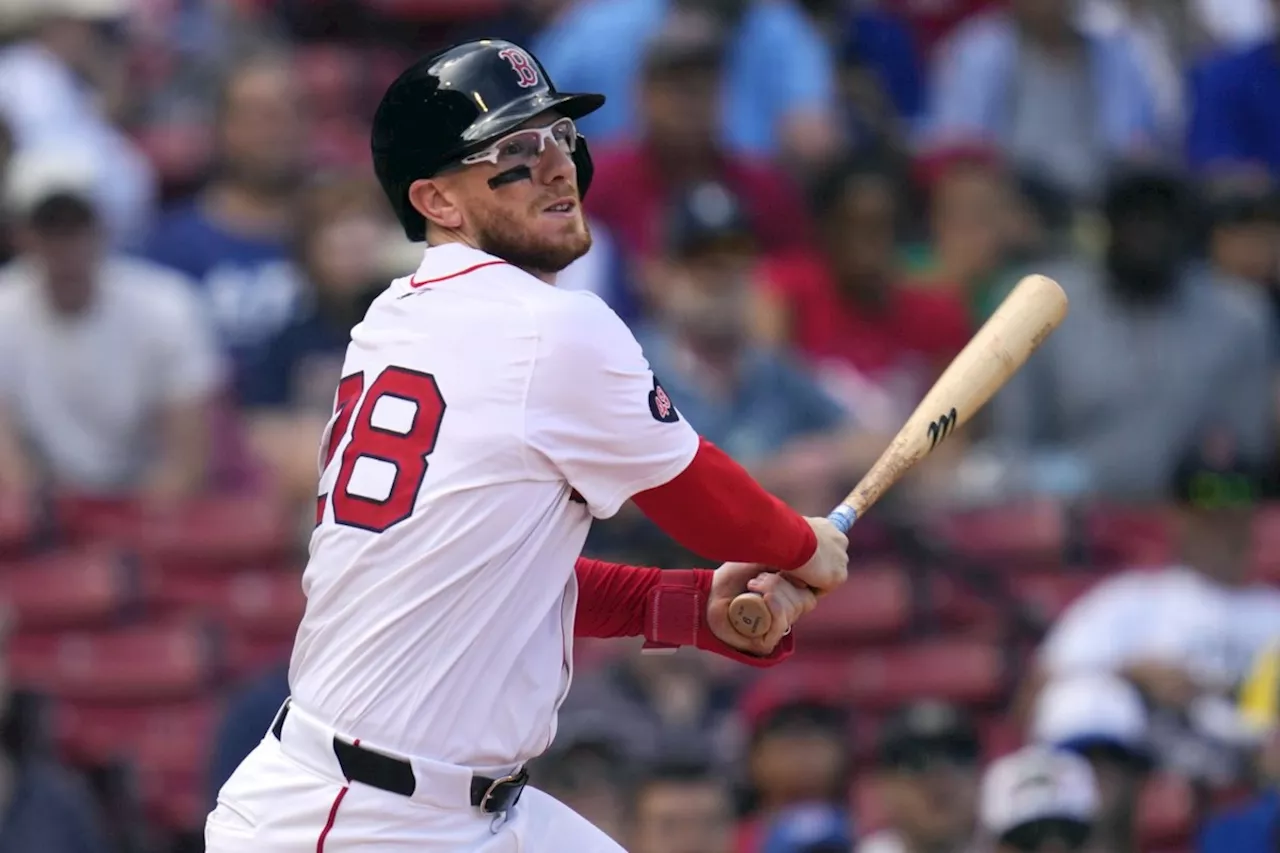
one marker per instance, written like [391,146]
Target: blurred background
[1058,634]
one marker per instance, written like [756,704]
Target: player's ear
[437,201]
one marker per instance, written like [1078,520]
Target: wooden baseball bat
[1031,311]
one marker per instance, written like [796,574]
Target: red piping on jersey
[333,815]
[415,283]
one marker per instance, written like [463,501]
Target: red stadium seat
[68,589]
[250,654]
[953,603]
[227,532]
[267,602]
[1266,544]
[874,603]
[1048,594]
[1000,736]
[328,75]
[17,525]
[1127,536]
[175,800]
[963,671]
[1034,532]
[1166,812]
[145,663]
[157,736]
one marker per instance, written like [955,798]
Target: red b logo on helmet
[522,65]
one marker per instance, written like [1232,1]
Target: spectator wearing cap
[1154,350]
[1255,826]
[1102,718]
[876,343]
[1234,122]
[682,804]
[1056,100]
[676,146]
[778,98]
[235,238]
[927,779]
[1185,635]
[758,404]
[1039,800]
[61,70]
[798,756]
[809,829]
[107,366]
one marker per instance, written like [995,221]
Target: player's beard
[502,235]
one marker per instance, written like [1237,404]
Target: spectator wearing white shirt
[107,368]
[1039,800]
[1101,718]
[1186,634]
[60,79]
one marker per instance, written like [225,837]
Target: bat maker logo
[941,428]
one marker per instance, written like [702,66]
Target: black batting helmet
[451,103]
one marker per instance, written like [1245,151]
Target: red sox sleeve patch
[660,405]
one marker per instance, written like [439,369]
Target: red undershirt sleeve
[668,608]
[719,512]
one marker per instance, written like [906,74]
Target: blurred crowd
[1060,635]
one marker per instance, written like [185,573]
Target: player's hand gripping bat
[1031,311]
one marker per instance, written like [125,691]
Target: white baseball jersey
[484,417]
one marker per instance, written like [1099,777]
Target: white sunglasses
[524,147]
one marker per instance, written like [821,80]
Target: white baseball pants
[290,796]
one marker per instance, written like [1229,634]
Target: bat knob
[750,616]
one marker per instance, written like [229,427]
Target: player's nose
[555,163]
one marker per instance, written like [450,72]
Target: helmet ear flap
[586,169]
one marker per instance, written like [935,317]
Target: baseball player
[483,418]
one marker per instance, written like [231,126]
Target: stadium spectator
[678,102]
[1244,234]
[594,777]
[1185,635]
[1056,101]
[927,776]
[876,344]
[109,368]
[682,805]
[60,76]
[645,701]
[234,239]
[880,72]
[43,806]
[809,829]
[1153,350]
[6,230]
[288,389]
[1039,800]
[798,755]
[1102,718]
[756,403]
[978,225]
[1255,826]
[1234,124]
[778,99]
[1233,23]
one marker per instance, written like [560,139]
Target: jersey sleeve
[595,410]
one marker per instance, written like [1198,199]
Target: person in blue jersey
[234,238]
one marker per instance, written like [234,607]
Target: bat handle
[748,613]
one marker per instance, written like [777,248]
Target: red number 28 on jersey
[405,450]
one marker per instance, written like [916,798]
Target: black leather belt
[395,775]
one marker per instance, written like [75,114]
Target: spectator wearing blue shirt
[779,95]
[234,239]
[245,723]
[1061,103]
[288,389]
[759,405]
[1235,109]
